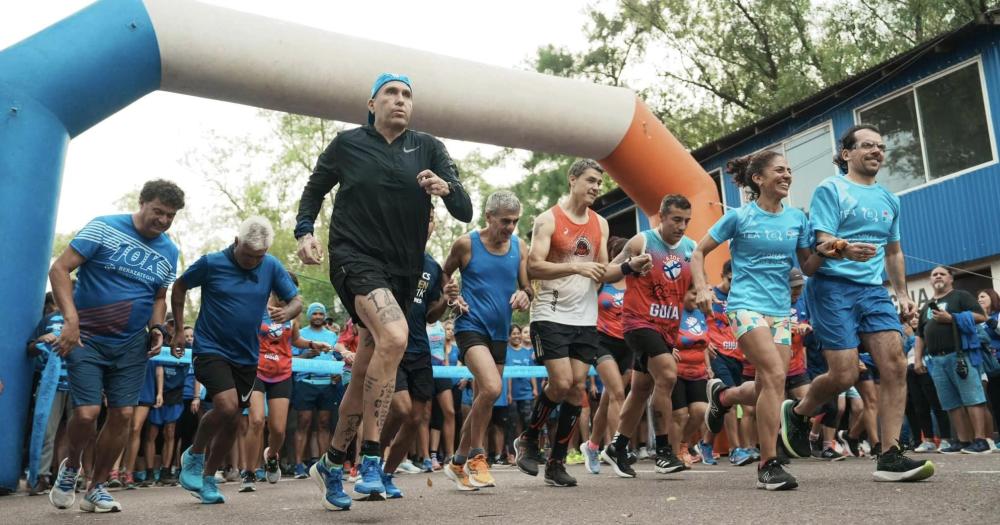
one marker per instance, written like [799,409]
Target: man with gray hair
[493,263]
[235,286]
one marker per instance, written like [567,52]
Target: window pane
[897,120]
[811,159]
[954,122]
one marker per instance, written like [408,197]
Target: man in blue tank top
[494,283]
[112,319]
[849,305]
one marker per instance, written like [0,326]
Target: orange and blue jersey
[720,333]
[275,363]
[609,311]
[655,300]
[692,340]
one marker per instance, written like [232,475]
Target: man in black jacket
[378,230]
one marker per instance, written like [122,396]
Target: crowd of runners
[797,351]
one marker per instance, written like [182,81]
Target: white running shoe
[407,467]
[63,492]
[272,470]
[643,453]
[99,500]
[926,446]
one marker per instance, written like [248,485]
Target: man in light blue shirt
[849,305]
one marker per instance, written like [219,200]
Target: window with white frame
[810,156]
[935,128]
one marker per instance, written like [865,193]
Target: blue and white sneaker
[707,453]
[754,453]
[370,483]
[391,490]
[331,484]
[192,466]
[428,465]
[209,492]
[590,458]
[98,500]
[300,471]
[63,492]
[740,457]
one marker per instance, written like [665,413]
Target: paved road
[966,489]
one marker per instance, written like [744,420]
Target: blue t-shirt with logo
[322,335]
[856,213]
[763,248]
[174,377]
[428,291]
[123,272]
[520,386]
[232,303]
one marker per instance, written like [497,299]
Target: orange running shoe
[479,472]
[685,455]
[457,474]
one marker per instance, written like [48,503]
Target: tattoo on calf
[351,424]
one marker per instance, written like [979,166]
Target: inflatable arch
[63,80]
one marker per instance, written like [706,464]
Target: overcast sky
[149,138]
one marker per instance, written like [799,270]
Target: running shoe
[556,475]
[591,457]
[166,479]
[99,500]
[148,479]
[667,462]
[926,446]
[781,454]
[300,471]
[685,456]
[993,445]
[573,457]
[371,477]
[248,481]
[740,457]
[209,492]
[841,438]
[694,453]
[428,465]
[331,483]
[707,453]
[435,464]
[954,447]
[828,454]
[231,474]
[618,459]
[391,490]
[794,430]
[979,446]
[893,465]
[81,481]
[457,474]
[643,453]
[407,467]
[352,474]
[502,461]
[192,466]
[129,481]
[479,472]
[63,493]
[633,456]
[526,455]
[773,477]
[754,453]
[716,414]
[272,470]
[114,482]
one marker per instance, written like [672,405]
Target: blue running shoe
[754,453]
[371,477]
[591,458]
[300,471]
[331,484]
[707,453]
[98,500]
[261,474]
[740,457]
[391,490]
[192,466]
[428,465]
[209,492]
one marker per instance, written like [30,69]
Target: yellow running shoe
[479,472]
[457,474]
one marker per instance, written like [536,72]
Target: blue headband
[382,80]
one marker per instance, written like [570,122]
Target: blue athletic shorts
[728,369]
[117,371]
[841,310]
[166,414]
[307,397]
[952,390]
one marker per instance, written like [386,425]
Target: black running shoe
[794,430]
[526,455]
[782,456]
[828,454]
[893,465]
[667,462]
[716,413]
[618,459]
[555,474]
[772,477]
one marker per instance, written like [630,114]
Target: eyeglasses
[867,145]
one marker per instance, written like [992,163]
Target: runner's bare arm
[62,292]
[437,309]
[705,295]
[177,296]
[324,177]
[632,252]
[895,266]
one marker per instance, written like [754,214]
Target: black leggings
[993,395]
[921,399]
[187,425]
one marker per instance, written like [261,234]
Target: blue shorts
[841,310]
[728,369]
[166,414]
[953,391]
[310,397]
[117,371]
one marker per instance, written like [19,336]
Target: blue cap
[315,307]
[382,80]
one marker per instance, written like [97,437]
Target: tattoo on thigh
[385,306]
